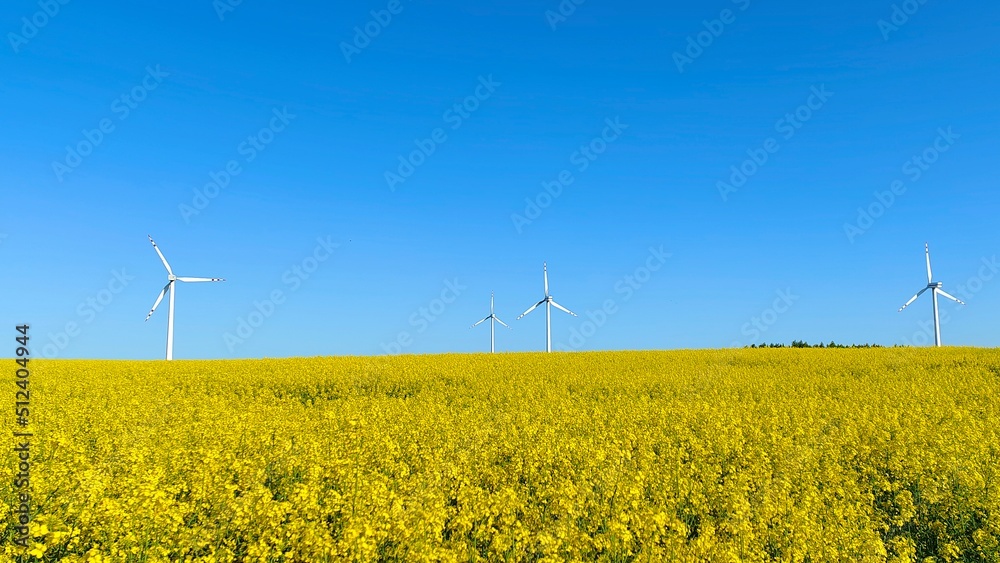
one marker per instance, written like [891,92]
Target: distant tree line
[804,344]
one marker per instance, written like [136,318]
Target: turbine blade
[158,299]
[201,279]
[943,293]
[561,308]
[912,299]
[545,274]
[499,321]
[533,307]
[491,302]
[164,260]
[927,252]
[480,322]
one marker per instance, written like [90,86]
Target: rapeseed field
[738,455]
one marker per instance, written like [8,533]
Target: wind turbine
[936,290]
[171,278]
[493,320]
[549,303]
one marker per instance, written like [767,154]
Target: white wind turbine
[493,319]
[549,303]
[171,278]
[936,290]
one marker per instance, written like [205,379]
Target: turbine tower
[549,303]
[171,278]
[493,319]
[936,290]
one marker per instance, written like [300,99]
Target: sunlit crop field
[749,455]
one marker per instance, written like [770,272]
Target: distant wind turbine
[493,319]
[549,303]
[936,290]
[171,278]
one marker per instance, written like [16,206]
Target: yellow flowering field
[736,455]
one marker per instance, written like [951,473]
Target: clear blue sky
[180,87]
